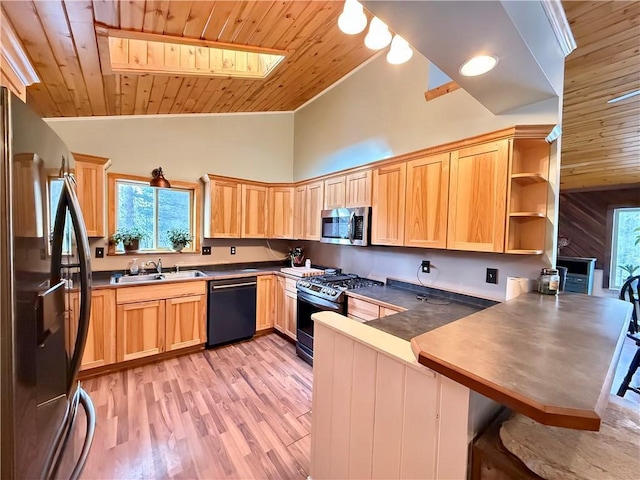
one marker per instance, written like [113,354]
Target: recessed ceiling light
[624,97]
[478,65]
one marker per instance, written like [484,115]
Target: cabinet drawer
[290,285]
[159,291]
[363,310]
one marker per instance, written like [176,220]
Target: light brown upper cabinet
[358,189]
[334,192]
[281,212]
[477,197]
[300,212]
[90,173]
[387,219]
[254,211]
[427,202]
[225,208]
[314,201]
[527,197]
[29,196]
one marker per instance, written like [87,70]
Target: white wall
[255,147]
[380,111]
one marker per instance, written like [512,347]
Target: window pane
[174,211]
[55,190]
[625,251]
[136,209]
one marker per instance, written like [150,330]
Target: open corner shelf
[526,214]
[528,178]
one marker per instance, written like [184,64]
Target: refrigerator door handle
[81,397]
[68,200]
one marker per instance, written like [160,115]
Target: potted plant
[296,256]
[179,238]
[130,238]
[630,269]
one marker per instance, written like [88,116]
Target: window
[153,210]
[55,190]
[625,251]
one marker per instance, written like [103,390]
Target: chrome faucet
[157,266]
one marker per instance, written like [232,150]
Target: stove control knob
[333,292]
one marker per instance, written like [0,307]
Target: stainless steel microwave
[346,226]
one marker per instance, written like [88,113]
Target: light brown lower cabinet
[140,330]
[100,347]
[286,307]
[364,311]
[265,302]
[147,324]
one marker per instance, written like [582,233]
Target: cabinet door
[334,192]
[478,197]
[90,177]
[387,215]
[265,305]
[427,202]
[29,199]
[225,209]
[140,329]
[281,208]
[291,314]
[359,189]
[100,348]
[300,212]
[315,201]
[254,211]
[280,315]
[185,321]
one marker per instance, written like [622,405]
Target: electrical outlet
[426,266]
[233,250]
[206,250]
[492,275]
[99,252]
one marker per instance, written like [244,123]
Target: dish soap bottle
[134,268]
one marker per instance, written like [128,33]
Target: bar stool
[630,292]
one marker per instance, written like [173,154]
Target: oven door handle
[319,302]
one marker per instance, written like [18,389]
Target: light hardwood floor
[240,411]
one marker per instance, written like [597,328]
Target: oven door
[346,226]
[307,306]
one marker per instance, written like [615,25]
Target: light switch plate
[492,275]
[99,252]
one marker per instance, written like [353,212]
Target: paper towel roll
[516,286]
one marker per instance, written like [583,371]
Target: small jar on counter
[548,281]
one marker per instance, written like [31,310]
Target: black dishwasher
[231,313]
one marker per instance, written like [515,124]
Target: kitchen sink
[155,277]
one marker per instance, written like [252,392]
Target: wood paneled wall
[585,218]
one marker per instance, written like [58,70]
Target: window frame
[613,243]
[196,211]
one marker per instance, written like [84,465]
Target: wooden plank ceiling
[59,37]
[601,141]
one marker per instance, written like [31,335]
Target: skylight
[152,54]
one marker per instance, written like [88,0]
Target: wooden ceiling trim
[155,16]
[259,12]
[186,88]
[217,20]
[197,19]
[579,89]
[196,92]
[157,92]
[143,92]
[205,95]
[221,89]
[170,93]
[272,17]
[60,40]
[129,87]
[132,14]
[105,11]
[28,26]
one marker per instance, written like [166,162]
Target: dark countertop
[432,310]
[551,358]
[421,315]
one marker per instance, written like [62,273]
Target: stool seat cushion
[562,453]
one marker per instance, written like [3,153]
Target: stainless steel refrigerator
[47,420]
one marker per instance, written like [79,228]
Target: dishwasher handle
[234,285]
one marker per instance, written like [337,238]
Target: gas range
[332,287]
